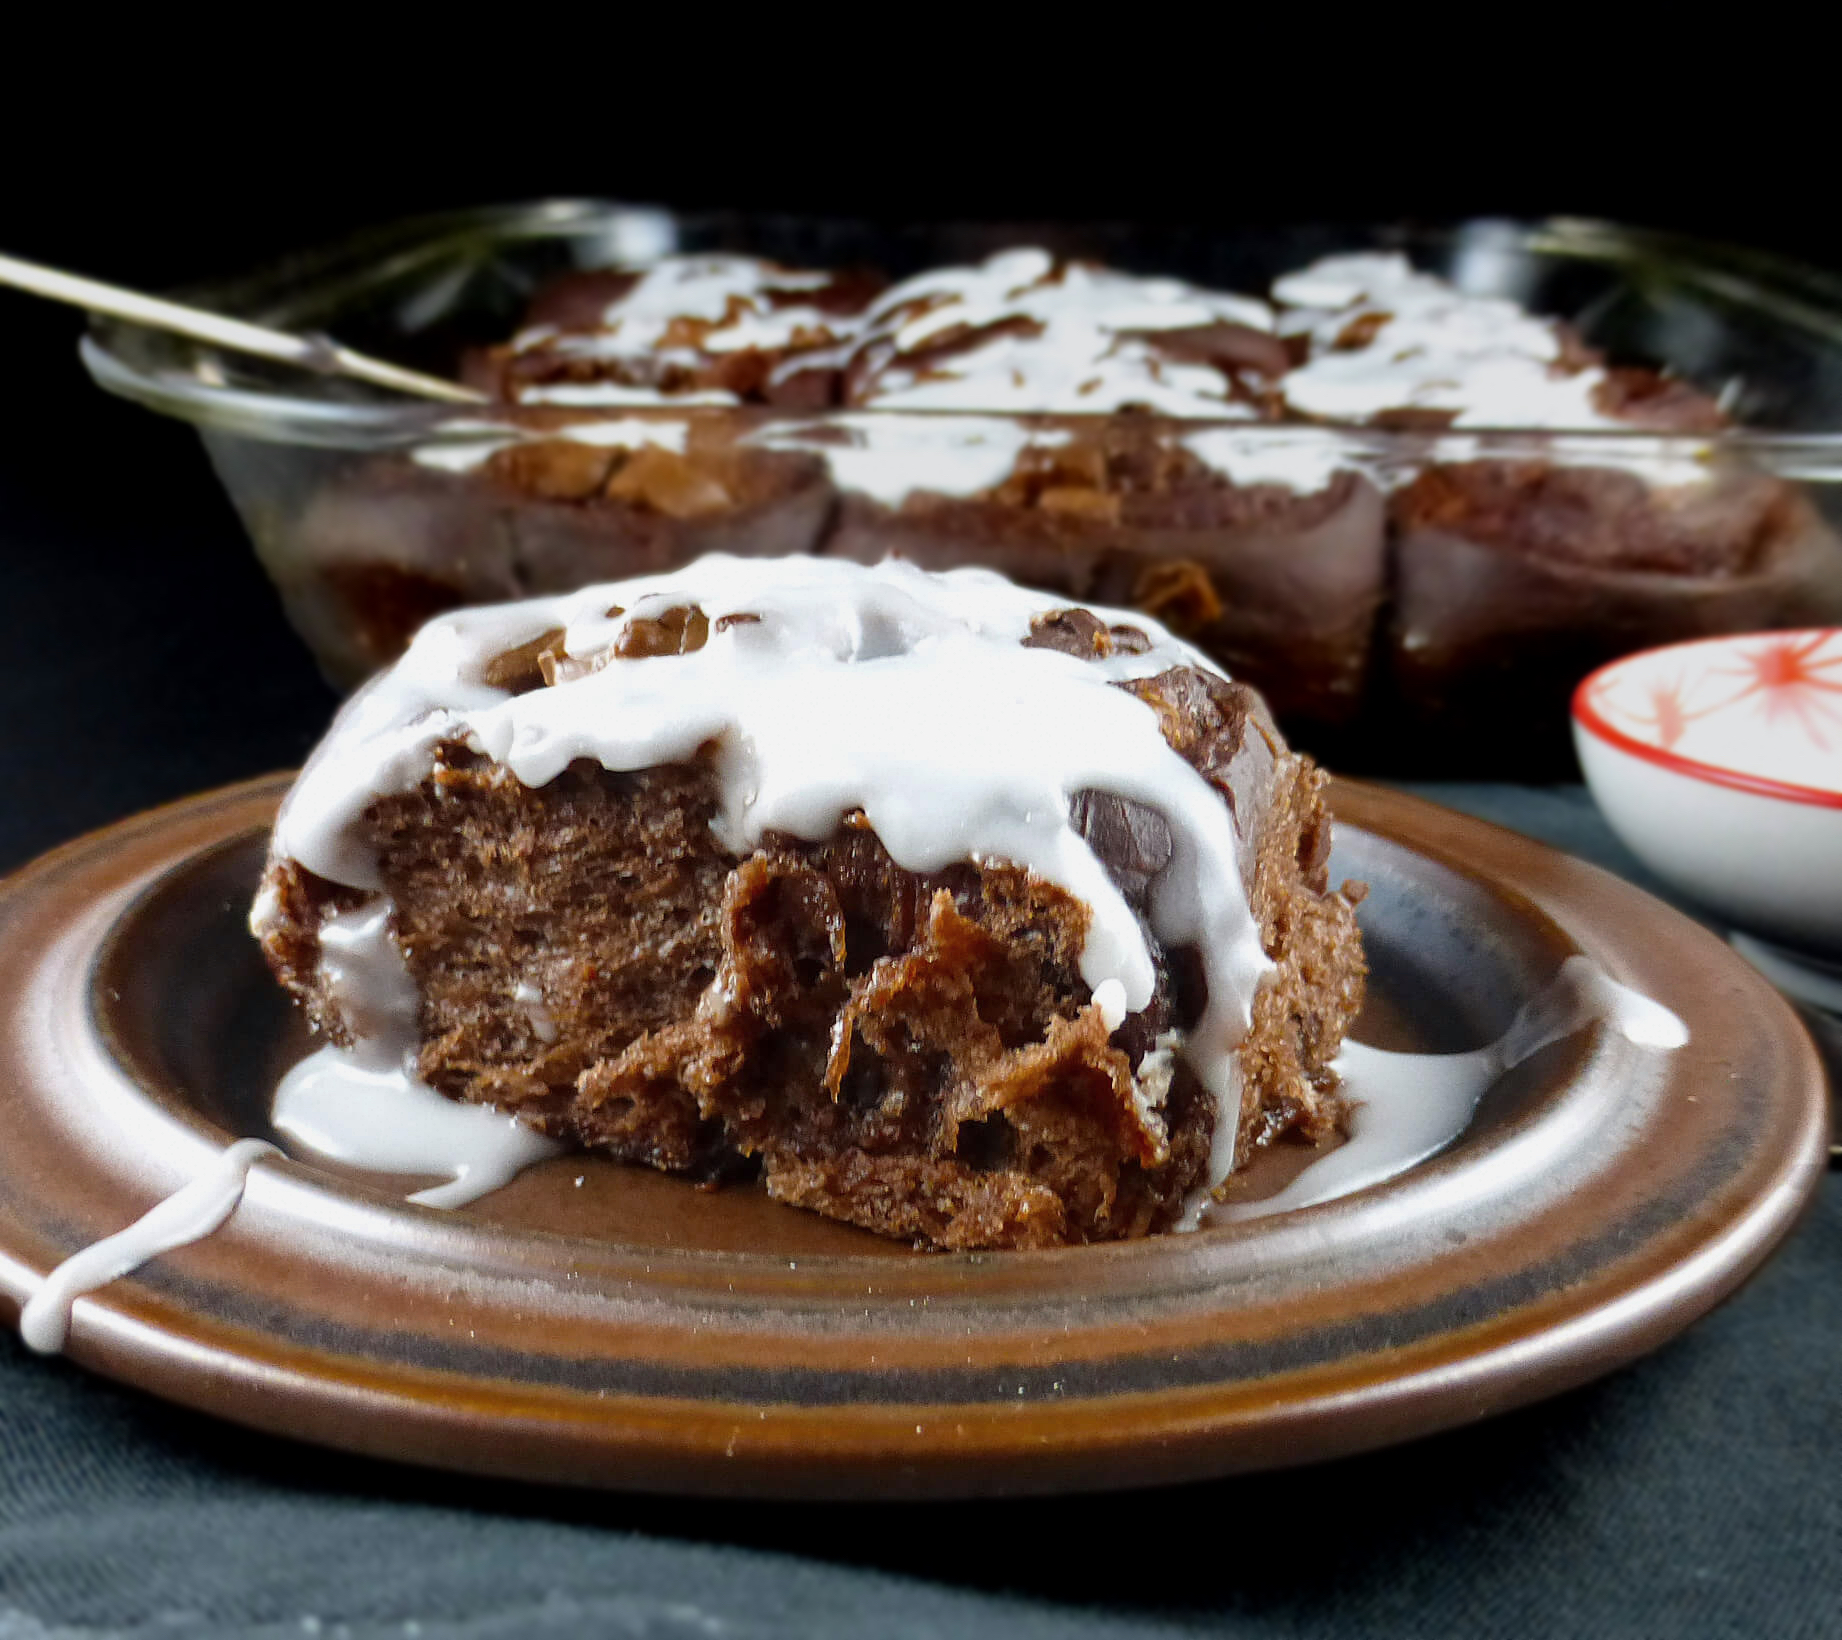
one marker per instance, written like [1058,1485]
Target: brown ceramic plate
[610,1327]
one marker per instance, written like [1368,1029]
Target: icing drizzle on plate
[188,1215]
[1408,1107]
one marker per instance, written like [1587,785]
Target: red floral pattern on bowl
[1761,712]
[1719,763]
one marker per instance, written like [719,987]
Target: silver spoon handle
[311,353]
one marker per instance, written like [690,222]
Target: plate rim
[142,1332]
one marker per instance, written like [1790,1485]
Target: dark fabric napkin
[1696,1493]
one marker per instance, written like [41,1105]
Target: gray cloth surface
[1698,1492]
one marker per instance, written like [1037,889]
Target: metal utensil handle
[310,353]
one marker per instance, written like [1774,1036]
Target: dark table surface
[1698,1492]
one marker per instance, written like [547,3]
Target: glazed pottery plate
[606,1326]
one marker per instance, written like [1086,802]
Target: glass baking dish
[1387,639]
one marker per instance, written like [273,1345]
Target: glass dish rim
[1808,296]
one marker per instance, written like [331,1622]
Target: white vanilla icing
[365,976]
[1083,349]
[907,696]
[365,1105]
[1110,999]
[1406,1107]
[462,458]
[1665,461]
[609,395]
[186,1216]
[1072,338]
[1384,336]
[530,999]
[1303,459]
[735,302]
[888,457]
[356,1107]
[1151,1081]
[735,296]
[484,439]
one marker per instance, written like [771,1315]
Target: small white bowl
[1719,762]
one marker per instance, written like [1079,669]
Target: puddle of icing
[365,1105]
[1406,1107]
[381,1118]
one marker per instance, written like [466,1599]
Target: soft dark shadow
[1337,1531]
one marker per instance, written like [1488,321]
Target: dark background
[154,159]
[158,153]
[142,658]
[163,153]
